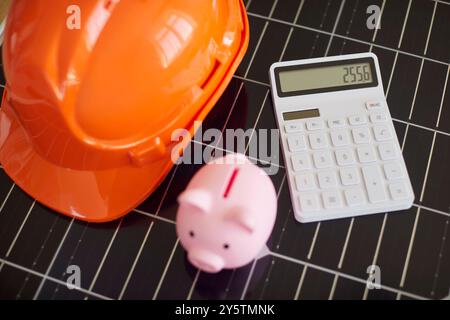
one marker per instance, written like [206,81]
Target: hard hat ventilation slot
[211,74]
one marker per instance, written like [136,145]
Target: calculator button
[382,133]
[322,159]
[317,140]
[336,123]
[344,157]
[327,179]
[331,199]
[378,117]
[300,162]
[357,120]
[393,171]
[308,202]
[398,191]
[354,197]
[361,135]
[296,142]
[339,138]
[304,182]
[366,154]
[387,151]
[374,183]
[349,176]
[373,105]
[293,127]
[314,124]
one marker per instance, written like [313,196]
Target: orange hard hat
[95,88]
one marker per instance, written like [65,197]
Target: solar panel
[140,257]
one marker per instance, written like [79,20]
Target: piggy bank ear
[243,218]
[198,198]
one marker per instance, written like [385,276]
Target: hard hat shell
[95,89]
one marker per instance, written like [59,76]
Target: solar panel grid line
[333,287]
[36,295]
[97,272]
[257,118]
[347,30]
[412,124]
[229,114]
[154,216]
[251,80]
[52,279]
[7,197]
[283,181]
[408,255]
[427,169]
[441,250]
[267,280]
[172,176]
[133,266]
[377,250]
[247,282]
[415,92]
[18,232]
[297,14]
[72,256]
[431,28]
[41,250]
[300,283]
[335,26]
[345,275]
[447,214]
[194,283]
[256,15]
[391,74]
[313,242]
[378,24]
[442,100]
[255,51]
[442,2]
[344,247]
[404,25]
[155,295]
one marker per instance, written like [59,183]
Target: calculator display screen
[324,77]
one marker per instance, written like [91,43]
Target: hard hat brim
[94,196]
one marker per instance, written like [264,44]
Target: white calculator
[340,147]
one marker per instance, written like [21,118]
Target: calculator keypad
[346,162]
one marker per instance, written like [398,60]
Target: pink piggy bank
[226,213]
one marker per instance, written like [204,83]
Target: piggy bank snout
[206,260]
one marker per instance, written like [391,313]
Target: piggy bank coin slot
[230,182]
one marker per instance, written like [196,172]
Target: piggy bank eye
[191,234]
[226,246]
